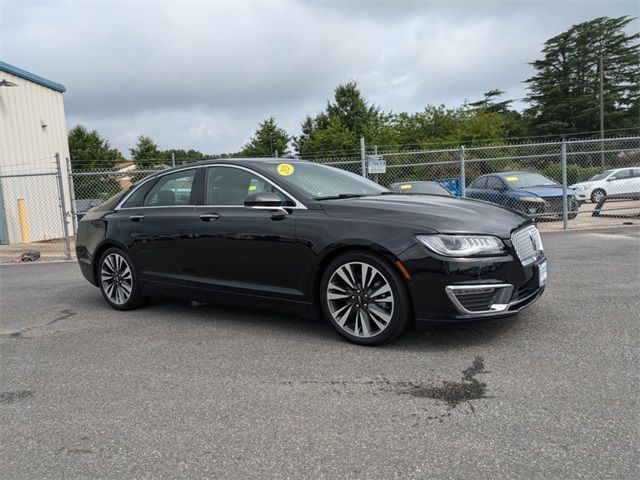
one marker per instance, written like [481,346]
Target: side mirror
[610,179]
[267,201]
[263,200]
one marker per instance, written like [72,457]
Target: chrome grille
[527,243]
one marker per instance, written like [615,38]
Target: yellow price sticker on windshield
[252,188]
[511,178]
[285,169]
[404,187]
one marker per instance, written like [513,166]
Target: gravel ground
[176,391]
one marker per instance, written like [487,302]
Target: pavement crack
[63,315]
[15,396]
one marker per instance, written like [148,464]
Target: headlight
[532,199]
[462,245]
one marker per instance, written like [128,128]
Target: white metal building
[32,131]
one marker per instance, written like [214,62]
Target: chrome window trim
[298,204]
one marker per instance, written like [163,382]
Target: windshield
[322,181]
[524,180]
[601,176]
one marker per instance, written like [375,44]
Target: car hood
[442,214]
[545,191]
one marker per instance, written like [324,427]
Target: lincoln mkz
[313,240]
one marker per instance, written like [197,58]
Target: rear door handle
[208,217]
[136,218]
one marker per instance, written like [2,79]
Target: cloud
[202,74]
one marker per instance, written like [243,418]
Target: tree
[564,92]
[268,141]
[88,150]
[146,154]
[515,124]
[339,127]
[354,112]
[490,104]
[440,126]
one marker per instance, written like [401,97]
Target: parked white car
[621,181]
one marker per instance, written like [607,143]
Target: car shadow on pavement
[443,336]
[241,318]
[447,336]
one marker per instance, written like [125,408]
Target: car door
[620,183]
[246,250]
[477,189]
[158,222]
[497,192]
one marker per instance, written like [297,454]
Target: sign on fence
[376,164]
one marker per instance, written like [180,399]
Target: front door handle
[208,217]
[136,218]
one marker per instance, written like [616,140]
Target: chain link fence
[563,185]
[35,223]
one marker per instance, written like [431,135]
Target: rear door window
[171,190]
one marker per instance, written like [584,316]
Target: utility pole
[601,111]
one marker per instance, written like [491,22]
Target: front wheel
[364,298]
[597,195]
[118,280]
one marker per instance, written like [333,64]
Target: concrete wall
[26,146]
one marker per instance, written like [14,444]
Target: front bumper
[551,208]
[434,280]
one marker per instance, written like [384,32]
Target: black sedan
[314,240]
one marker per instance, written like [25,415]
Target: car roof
[416,182]
[515,172]
[241,161]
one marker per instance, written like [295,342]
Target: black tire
[401,311]
[573,212]
[135,298]
[597,194]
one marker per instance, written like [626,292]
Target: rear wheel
[364,298]
[118,280]
[597,195]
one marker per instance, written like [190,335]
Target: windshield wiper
[543,185]
[342,195]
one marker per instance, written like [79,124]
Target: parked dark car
[82,206]
[311,239]
[431,188]
[528,192]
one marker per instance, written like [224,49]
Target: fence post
[63,210]
[72,197]
[563,161]
[363,158]
[463,186]
[173,159]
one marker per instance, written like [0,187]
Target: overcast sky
[203,74]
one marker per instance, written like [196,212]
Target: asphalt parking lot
[181,391]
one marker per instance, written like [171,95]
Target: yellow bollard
[24,223]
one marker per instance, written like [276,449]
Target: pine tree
[564,92]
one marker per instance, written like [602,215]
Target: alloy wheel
[597,195]
[360,299]
[116,278]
